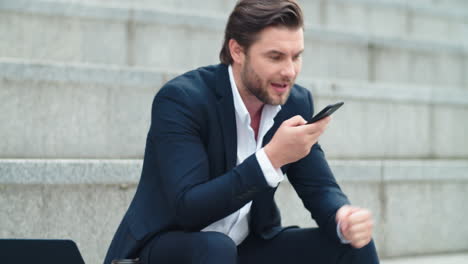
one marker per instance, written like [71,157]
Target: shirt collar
[269,111]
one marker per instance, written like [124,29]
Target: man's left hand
[356,225]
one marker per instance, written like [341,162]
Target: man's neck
[255,121]
[254,107]
[251,102]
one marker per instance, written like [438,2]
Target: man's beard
[253,84]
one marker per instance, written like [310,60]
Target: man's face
[272,64]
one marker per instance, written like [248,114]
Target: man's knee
[217,245]
[196,247]
[364,255]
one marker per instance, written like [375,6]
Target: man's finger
[359,237]
[361,243]
[294,121]
[318,127]
[360,216]
[321,123]
[365,227]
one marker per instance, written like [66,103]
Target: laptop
[47,251]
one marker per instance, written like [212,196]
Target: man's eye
[275,58]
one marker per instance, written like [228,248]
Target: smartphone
[328,110]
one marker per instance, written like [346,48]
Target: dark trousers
[295,245]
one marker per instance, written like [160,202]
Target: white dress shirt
[236,225]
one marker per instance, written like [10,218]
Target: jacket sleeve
[315,184]
[195,197]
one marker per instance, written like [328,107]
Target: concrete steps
[403,18]
[435,259]
[78,111]
[407,198]
[79,200]
[444,3]
[104,34]
[85,200]
[77,79]
[408,18]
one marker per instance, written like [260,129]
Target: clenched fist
[356,225]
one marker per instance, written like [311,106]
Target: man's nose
[289,69]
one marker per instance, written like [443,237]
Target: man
[220,140]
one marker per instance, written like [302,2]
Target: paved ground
[439,259]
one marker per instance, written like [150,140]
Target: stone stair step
[430,259]
[411,18]
[402,195]
[85,33]
[85,200]
[79,111]
[442,3]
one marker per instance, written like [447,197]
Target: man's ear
[237,51]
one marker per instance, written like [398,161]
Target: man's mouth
[280,87]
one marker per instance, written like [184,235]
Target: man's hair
[249,17]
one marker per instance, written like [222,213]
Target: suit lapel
[279,118]
[226,115]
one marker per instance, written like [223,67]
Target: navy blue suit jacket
[190,178]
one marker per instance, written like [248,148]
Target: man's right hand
[293,140]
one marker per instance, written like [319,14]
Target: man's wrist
[340,234]
[273,176]
[272,157]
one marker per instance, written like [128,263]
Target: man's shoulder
[299,96]
[299,91]
[198,81]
